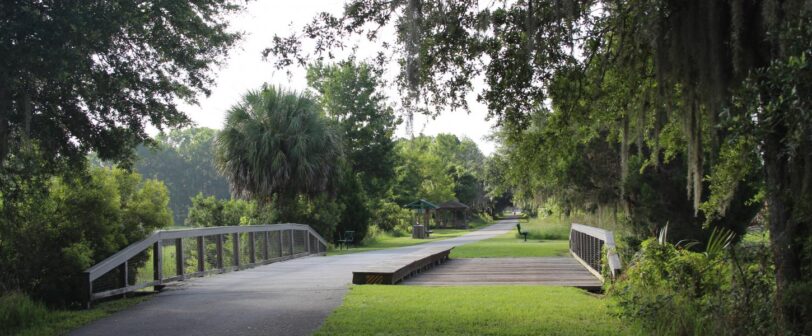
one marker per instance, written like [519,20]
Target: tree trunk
[788,197]
[5,112]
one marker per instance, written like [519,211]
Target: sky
[245,70]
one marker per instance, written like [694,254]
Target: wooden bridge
[128,270]
[292,297]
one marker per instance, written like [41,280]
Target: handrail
[587,244]
[154,240]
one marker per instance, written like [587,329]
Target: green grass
[508,245]
[45,322]
[387,240]
[471,310]
[547,237]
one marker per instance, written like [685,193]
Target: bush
[668,290]
[18,311]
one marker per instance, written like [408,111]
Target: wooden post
[122,270]
[220,251]
[87,290]
[265,243]
[180,261]
[235,245]
[280,242]
[158,263]
[307,241]
[291,242]
[251,251]
[201,254]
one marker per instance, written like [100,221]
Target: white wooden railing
[124,271]
[587,245]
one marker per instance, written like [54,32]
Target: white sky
[245,70]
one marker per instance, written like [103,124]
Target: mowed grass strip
[386,240]
[547,238]
[471,310]
[508,245]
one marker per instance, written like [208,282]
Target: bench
[523,233]
[349,238]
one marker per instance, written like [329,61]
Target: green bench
[523,233]
[349,238]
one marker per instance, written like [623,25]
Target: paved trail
[286,298]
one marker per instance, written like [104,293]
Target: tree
[90,76]
[184,161]
[277,146]
[349,94]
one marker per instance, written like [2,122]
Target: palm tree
[278,143]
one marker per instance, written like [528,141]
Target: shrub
[673,291]
[56,229]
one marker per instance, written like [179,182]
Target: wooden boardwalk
[556,271]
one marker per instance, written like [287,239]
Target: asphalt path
[286,298]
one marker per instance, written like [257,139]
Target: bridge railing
[175,255]
[587,245]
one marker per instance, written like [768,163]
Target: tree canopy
[121,67]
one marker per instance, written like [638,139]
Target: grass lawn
[547,238]
[60,322]
[508,245]
[471,310]
[386,240]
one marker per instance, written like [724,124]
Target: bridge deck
[559,271]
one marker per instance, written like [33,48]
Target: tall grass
[18,311]
[546,228]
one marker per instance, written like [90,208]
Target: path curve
[287,298]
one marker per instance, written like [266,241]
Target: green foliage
[276,145]
[350,94]
[94,75]
[440,169]
[210,211]
[55,322]
[18,311]
[184,161]
[69,223]
[670,290]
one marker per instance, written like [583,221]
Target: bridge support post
[219,252]
[252,253]
[280,242]
[179,257]
[87,290]
[157,264]
[124,281]
[292,242]
[235,245]
[201,254]
[265,243]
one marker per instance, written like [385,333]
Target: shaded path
[286,298]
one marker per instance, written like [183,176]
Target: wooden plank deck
[557,271]
[399,267]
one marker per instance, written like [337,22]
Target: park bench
[523,233]
[349,238]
